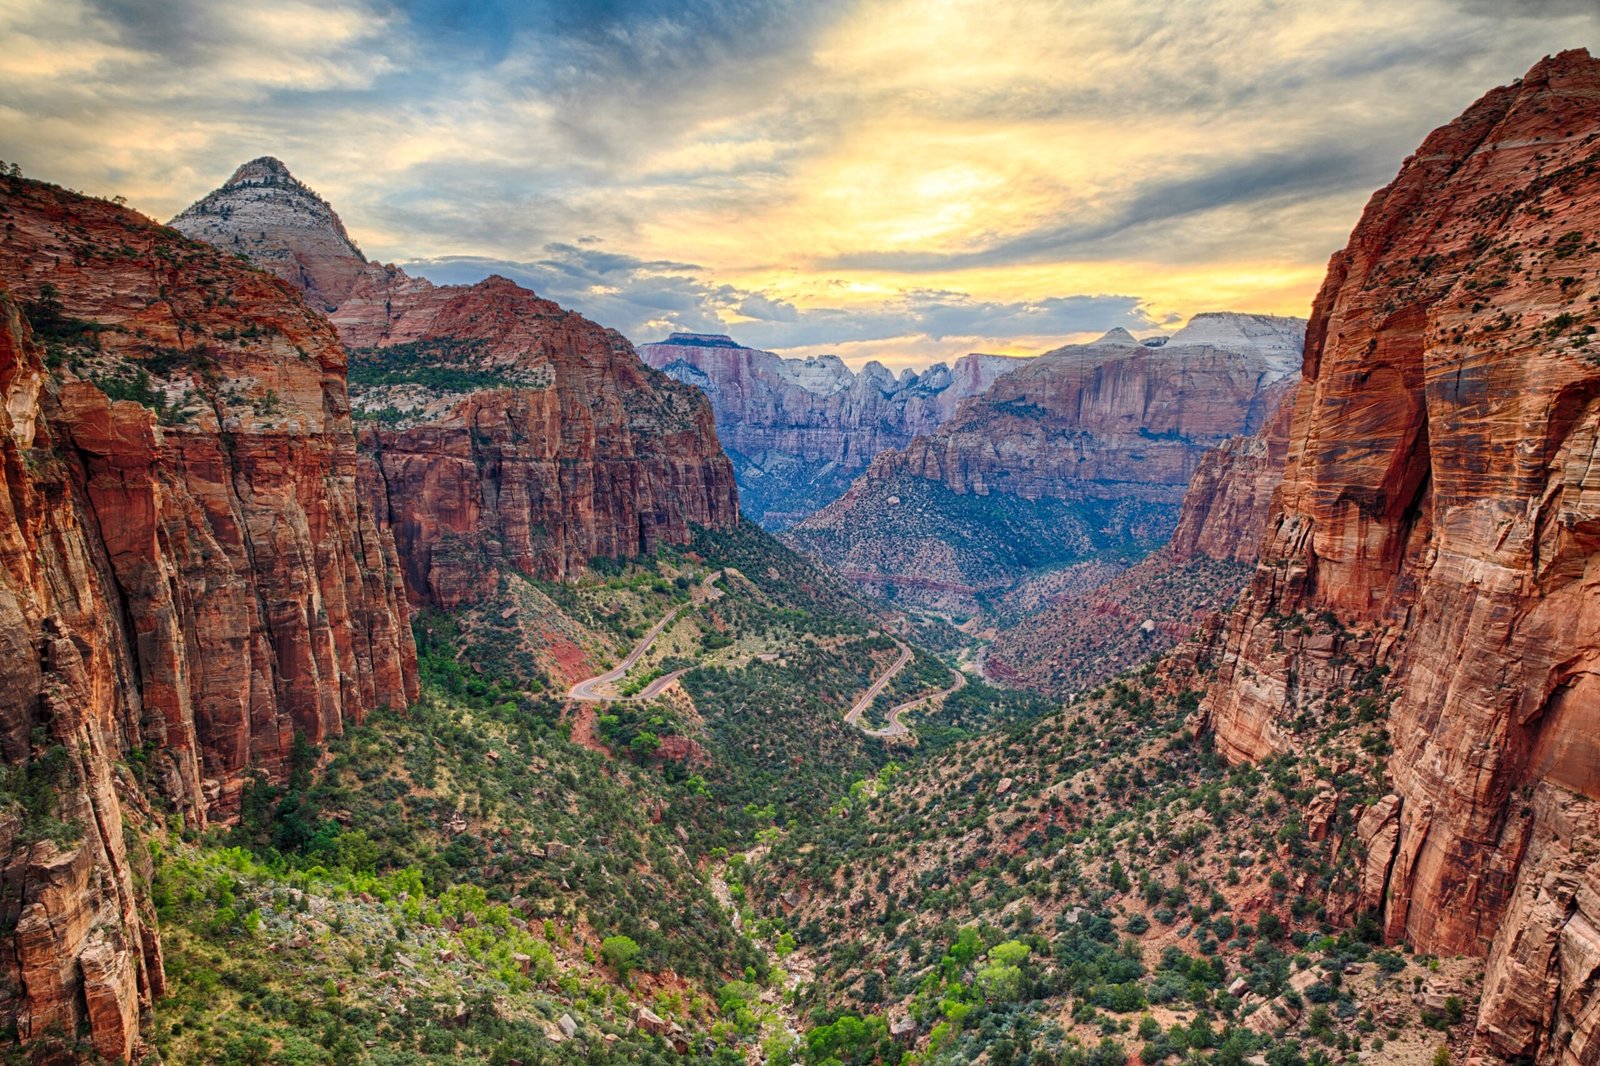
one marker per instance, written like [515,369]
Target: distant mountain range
[1083,452]
[799,430]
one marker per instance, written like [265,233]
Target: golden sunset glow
[895,180]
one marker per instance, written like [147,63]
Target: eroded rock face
[1229,498]
[1441,494]
[1085,449]
[546,480]
[583,451]
[800,429]
[1107,420]
[498,429]
[186,571]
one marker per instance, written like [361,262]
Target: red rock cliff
[1107,420]
[186,570]
[1441,495]
[799,429]
[500,428]
[585,451]
[1229,499]
[1082,451]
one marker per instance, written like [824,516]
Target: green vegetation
[56,331]
[32,787]
[439,364]
[620,953]
[1023,876]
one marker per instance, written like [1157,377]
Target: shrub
[619,953]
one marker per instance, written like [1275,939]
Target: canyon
[262,495]
[203,570]
[188,572]
[799,430]
[1071,629]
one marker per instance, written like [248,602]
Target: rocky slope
[188,578]
[799,430]
[502,429]
[1439,520]
[1085,450]
[265,213]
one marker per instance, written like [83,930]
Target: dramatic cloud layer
[898,179]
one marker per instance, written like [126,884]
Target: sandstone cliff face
[1077,627]
[545,480]
[1107,419]
[1230,497]
[1086,450]
[535,439]
[1440,499]
[185,571]
[498,429]
[799,429]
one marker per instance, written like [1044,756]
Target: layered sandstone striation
[1085,450]
[498,429]
[1229,499]
[1112,418]
[1093,620]
[540,441]
[544,480]
[186,572]
[799,429]
[1440,501]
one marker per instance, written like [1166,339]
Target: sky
[904,181]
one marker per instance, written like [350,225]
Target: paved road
[897,727]
[871,694]
[589,691]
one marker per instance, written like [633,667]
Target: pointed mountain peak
[283,226]
[1118,336]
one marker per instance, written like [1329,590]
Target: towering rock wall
[800,429]
[1441,500]
[584,452]
[498,429]
[1111,418]
[1230,497]
[186,572]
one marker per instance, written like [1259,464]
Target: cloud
[647,299]
[1255,180]
[890,171]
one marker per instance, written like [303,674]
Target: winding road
[861,705]
[589,691]
[897,727]
[595,689]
